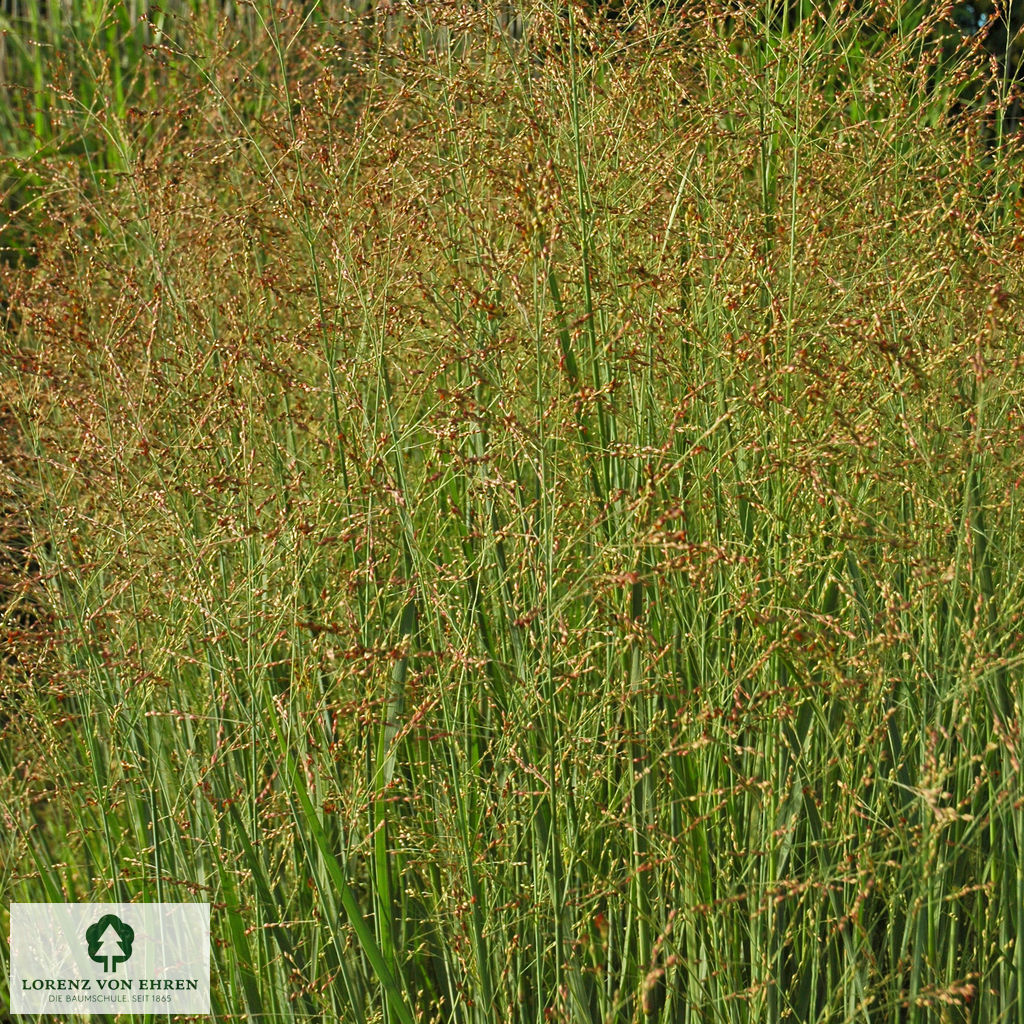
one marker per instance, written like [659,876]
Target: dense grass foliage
[528,528]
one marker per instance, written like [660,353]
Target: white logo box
[107,958]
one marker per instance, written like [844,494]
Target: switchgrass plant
[530,521]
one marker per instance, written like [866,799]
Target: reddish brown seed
[653,997]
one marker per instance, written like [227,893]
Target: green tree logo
[110,942]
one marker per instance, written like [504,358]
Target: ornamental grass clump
[528,522]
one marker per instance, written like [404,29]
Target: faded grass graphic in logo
[110,941]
